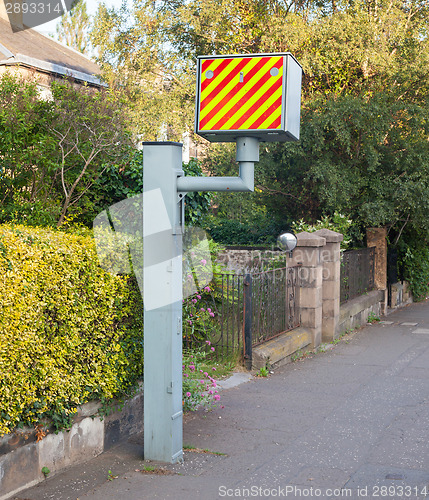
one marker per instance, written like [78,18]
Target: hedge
[69,331]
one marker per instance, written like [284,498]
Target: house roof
[31,49]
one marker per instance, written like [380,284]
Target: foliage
[414,257]
[197,204]
[54,151]
[261,230]
[90,128]
[73,27]
[118,180]
[158,86]
[363,149]
[338,223]
[199,387]
[366,159]
[197,317]
[69,332]
[27,152]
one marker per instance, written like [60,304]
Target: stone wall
[245,260]
[355,312]
[22,457]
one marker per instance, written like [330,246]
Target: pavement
[350,422]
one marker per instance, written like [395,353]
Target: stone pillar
[377,237]
[331,262]
[307,254]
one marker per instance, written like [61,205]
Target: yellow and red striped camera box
[256,95]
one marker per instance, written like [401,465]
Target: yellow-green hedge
[69,331]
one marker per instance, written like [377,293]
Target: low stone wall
[355,312]
[278,351]
[22,457]
[245,260]
[400,295]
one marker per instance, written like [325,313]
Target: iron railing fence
[357,273]
[274,303]
[250,309]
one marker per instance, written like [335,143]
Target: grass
[222,367]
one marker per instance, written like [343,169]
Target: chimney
[10,11]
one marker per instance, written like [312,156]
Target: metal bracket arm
[247,155]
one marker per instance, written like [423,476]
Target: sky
[91,6]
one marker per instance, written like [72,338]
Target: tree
[90,128]
[26,148]
[73,27]
[363,149]
[54,152]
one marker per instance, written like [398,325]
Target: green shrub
[69,331]
[260,230]
[338,223]
[415,262]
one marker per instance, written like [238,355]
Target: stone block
[330,308]
[331,271]
[330,236]
[52,452]
[18,469]
[124,421]
[330,253]
[330,329]
[311,317]
[310,277]
[306,239]
[277,352]
[317,337]
[331,290]
[85,440]
[310,297]
[306,256]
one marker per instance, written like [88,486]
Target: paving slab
[344,422]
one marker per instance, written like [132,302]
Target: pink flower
[210,392]
[209,310]
[188,394]
[216,397]
[192,367]
[186,375]
[205,374]
[202,382]
[207,289]
[214,384]
[199,297]
[194,301]
[214,369]
[203,262]
[212,315]
[208,342]
[202,309]
[212,349]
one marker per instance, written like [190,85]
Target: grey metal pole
[162,296]
[163,191]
